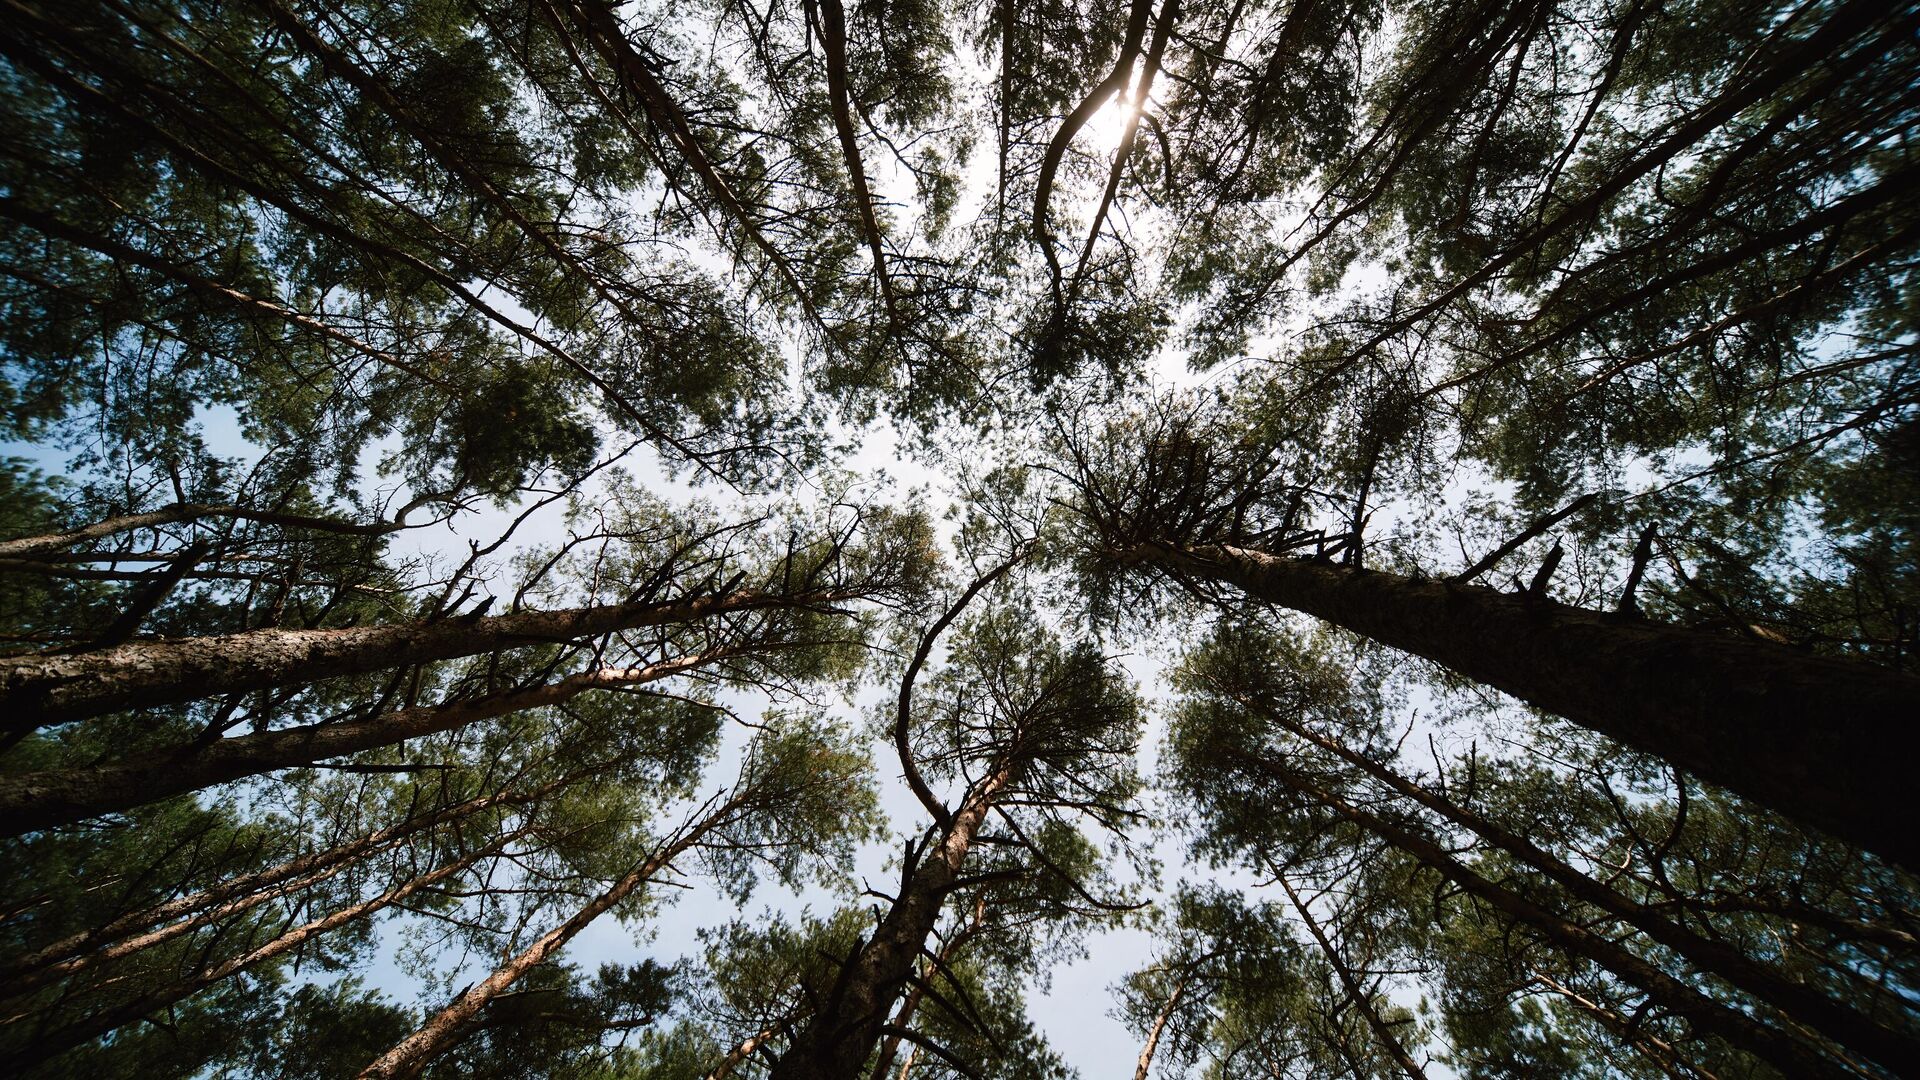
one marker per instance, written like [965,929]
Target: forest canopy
[1392,523]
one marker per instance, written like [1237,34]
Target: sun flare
[1108,126]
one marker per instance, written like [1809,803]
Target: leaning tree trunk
[902,1017]
[1361,997]
[37,800]
[179,512]
[1800,1004]
[121,937]
[447,1027]
[1704,1014]
[841,1035]
[82,1031]
[1813,737]
[1144,1065]
[51,688]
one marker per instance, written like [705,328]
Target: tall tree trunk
[1812,737]
[1356,993]
[1151,1047]
[65,1038]
[447,1027]
[41,689]
[39,800]
[903,1017]
[1791,1055]
[180,512]
[841,1035]
[119,937]
[1800,1004]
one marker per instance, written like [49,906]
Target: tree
[1732,711]
[439,419]
[1249,740]
[1019,722]
[1236,989]
[797,794]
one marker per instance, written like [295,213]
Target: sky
[1073,1007]
[1072,1011]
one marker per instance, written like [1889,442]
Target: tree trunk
[66,1038]
[841,1035]
[440,1033]
[1361,999]
[1792,1056]
[903,1017]
[180,512]
[1152,1046]
[41,689]
[39,800]
[1813,737]
[1801,1004]
[111,941]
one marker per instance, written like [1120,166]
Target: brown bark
[903,1017]
[175,514]
[1357,994]
[1810,736]
[741,1053]
[833,38]
[45,689]
[66,1038]
[39,800]
[1657,1050]
[120,936]
[839,1038]
[1152,1045]
[441,1032]
[1800,1003]
[1707,1016]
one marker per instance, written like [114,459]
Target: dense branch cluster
[446,515]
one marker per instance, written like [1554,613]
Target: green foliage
[394,316]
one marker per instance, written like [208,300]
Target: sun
[1108,126]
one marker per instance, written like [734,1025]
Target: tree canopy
[1407,508]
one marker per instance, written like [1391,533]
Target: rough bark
[72,1035]
[1810,736]
[37,800]
[839,1038]
[447,1027]
[1361,998]
[1801,1004]
[903,1017]
[1707,1016]
[42,689]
